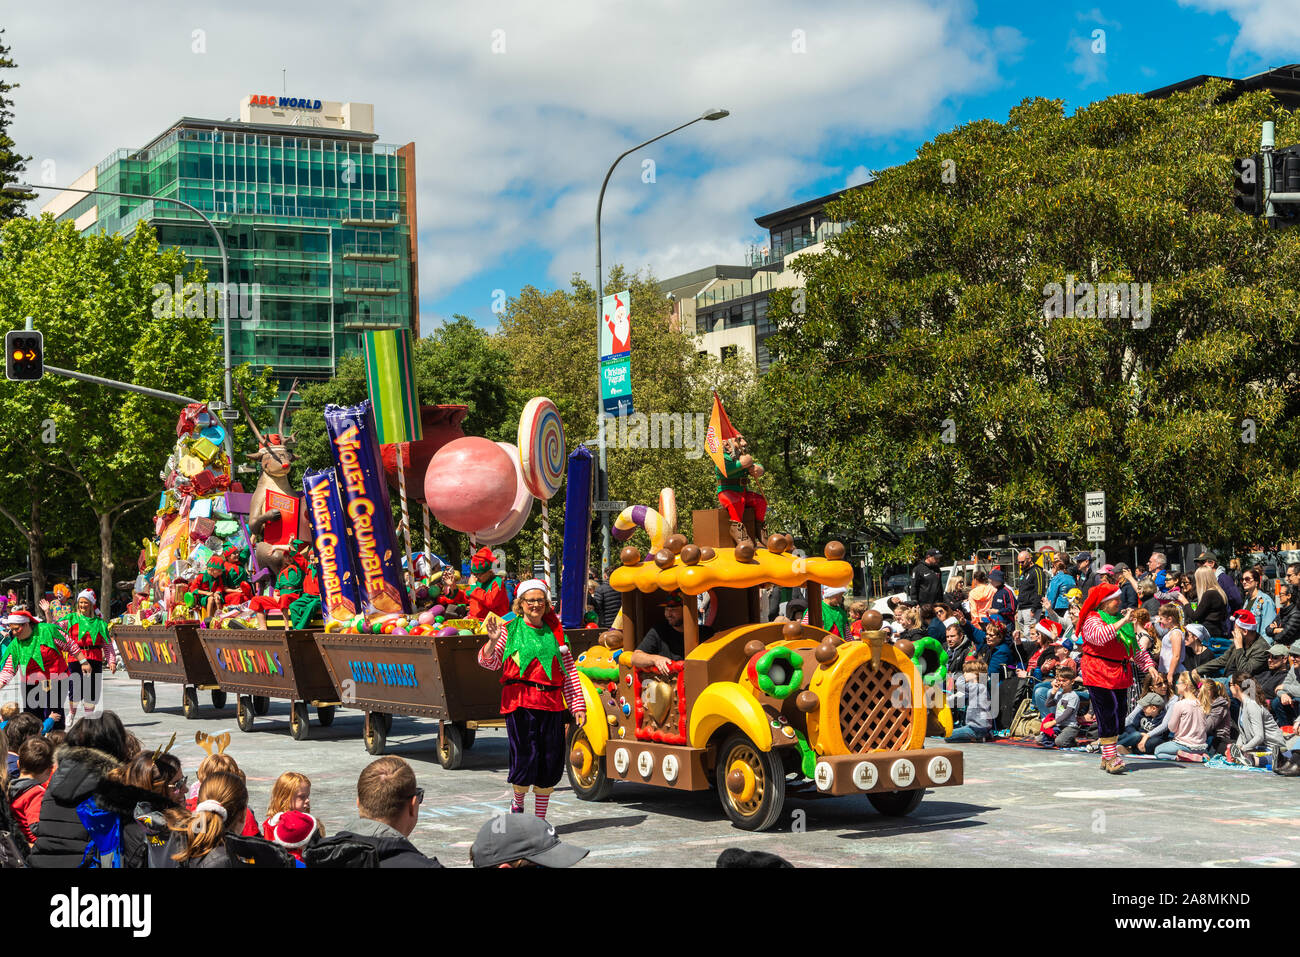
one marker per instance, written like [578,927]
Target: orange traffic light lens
[18,354]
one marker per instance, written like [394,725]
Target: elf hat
[87,594]
[533,584]
[482,560]
[21,618]
[1050,628]
[292,829]
[1246,621]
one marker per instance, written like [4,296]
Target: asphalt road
[1019,806]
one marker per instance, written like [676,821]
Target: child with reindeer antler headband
[219,762]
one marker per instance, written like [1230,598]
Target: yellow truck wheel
[751,783]
[586,768]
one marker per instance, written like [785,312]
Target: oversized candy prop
[645,518]
[509,526]
[390,379]
[541,454]
[335,562]
[351,432]
[577,539]
[470,484]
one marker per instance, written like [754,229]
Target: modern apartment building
[311,207]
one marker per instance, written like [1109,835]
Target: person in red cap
[39,652]
[1107,667]
[293,830]
[537,677]
[488,592]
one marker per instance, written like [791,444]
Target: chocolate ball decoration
[676,543]
[825,653]
[792,629]
[707,554]
[736,782]
[872,621]
[630,555]
[834,551]
[805,701]
[664,558]
[745,552]
[905,647]
[753,647]
[776,543]
[690,554]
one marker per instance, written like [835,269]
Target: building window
[728,353]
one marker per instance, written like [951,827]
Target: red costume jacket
[491,598]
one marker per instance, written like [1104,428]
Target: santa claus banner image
[616,325]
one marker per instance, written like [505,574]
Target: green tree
[934,370]
[12,164]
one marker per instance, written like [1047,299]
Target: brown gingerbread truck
[757,701]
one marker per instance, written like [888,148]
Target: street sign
[1096,533]
[611,506]
[74,571]
[1094,509]
[229,415]
[618,406]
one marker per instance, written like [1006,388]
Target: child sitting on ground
[35,766]
[1061,726]
[291,792]
[978,724]
[1145,726]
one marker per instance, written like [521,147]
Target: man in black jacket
[388,802]
[607,602]
[1285,628]
[927,583]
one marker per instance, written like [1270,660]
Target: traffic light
[1247,189]
[24,355]
[1286,179]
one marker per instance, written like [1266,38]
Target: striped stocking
[541,800]
[517,802]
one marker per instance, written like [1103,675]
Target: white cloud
[859,175]
[511,147]
[1088,63]
[1267,26]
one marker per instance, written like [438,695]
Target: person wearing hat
[1270,682]
[927,584]
[89,632]
[834,619]
[288,585]
[1231,592]
[487,593]
[517,840]
[293,830]
[538,677]
[1107,667]
[665,641]
[1198,650]
[1145,726]
[1004,600]
[38,653]
[1249,653]
[1084,576]
[1286,706]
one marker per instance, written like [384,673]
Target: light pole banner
[616,386]
[616,325]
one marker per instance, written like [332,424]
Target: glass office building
[321,219]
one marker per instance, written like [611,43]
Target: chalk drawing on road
[1101,795]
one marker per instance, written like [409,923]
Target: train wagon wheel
[218,699]
[299,727]
[190,701]
[148,700]
[376,733]
[897,803]
[451,751]
[261,705]
[751,784]
[586,768]
[244,713]
[325,715]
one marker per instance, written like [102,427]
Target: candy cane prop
[406,520]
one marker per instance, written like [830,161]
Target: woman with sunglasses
[161,785]
[537,677]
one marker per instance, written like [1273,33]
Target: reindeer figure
[275,457]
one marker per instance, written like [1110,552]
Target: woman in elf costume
[288,585]
[38,653]
[88,632]
[537,678]
[488,592]
[1107,666]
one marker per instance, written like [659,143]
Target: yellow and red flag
[720,429]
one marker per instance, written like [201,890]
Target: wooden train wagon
[422,676]
[171,656]
[260,665]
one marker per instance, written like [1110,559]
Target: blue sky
[517,108]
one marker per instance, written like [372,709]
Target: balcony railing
[356,321]
[764,256]
[353,286]
[370,251]
[735,289]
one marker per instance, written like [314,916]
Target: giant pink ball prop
[470,484]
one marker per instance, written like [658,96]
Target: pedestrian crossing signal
[24,355]
[1246,184]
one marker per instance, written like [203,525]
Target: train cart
[260,665]
[423,676]
[170,655]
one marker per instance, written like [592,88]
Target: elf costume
[307,605]
[490,597]
[288,584]
[1107,671]
[537,677]
[235,576]
[39,654]
[90,634]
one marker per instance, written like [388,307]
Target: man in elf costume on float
[38,653]
[211,584]
[738,466]
[89,632]
[834,619]
[448,590]
[488,591]
[288,585]
[306,606]
[537,677]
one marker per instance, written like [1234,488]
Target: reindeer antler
[285,408]
[262,444]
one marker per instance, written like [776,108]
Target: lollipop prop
[541,456]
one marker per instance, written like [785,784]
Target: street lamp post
[602,477]
[225,276]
